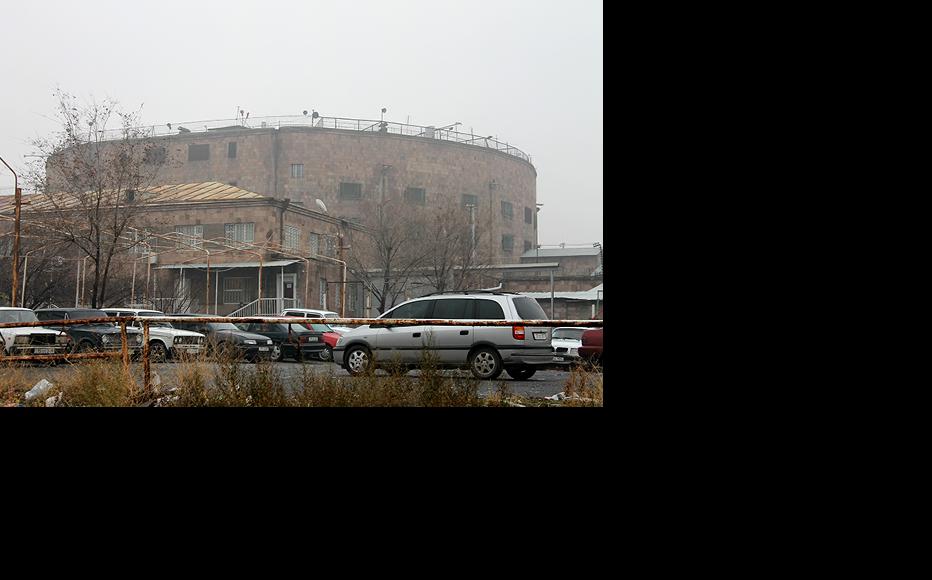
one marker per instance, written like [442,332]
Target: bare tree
[450,258]
[388,257]
[89,188]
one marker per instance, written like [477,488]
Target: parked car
[486,350]
[29,340]
[225,337]
[566,342]
[101,336]
[165,341]
[591,349]
[330,338]
[311,313]
[289,340]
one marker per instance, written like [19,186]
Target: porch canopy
[221,265]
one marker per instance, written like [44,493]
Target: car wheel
[326,354]
[84,346]
[278,353]
[485,363]
[358,360]
[521,373]
[157,351]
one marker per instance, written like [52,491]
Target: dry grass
[584,386]
[198,383]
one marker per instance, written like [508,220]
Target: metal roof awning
[592,294]
[271,263]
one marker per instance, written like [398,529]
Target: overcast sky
[526,71]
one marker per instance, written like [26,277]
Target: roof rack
[467,292]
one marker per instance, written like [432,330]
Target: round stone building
[354,166]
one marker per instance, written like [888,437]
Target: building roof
[592,294]
[197,192]
[181,193]
[560,252]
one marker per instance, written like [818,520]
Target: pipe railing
[339,123]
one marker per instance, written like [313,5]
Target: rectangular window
[331,246]
[140,239]
[234,290]
[350,191]
[6,247]
[507,210]
[470,199]
[323,293]
[528,216]
[416,195]
[231,150]
[314,244]
[527,245]
[508,244]
[352,295]
[189,236]
[297,171]
[291,238]
[154,155]
[198,152]
[240,232]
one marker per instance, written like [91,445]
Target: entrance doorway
[286,284]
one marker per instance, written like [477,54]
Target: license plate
[45,351]
[312,339]
[263,348]
[540,336]
[558,358]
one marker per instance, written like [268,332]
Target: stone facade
[384,166]
[269,218]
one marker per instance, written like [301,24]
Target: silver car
[486,350]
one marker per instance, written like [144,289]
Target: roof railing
[340,123]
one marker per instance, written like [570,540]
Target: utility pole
[491,218]
[18,198]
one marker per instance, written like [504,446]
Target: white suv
[485,350]
[29,340]
[165,341]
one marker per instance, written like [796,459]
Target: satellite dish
[321,205]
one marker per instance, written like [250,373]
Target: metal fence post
[146,369]
[125,349]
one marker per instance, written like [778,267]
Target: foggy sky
[526,71]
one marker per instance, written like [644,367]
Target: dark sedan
[225,337]
[290,340]
[102,336]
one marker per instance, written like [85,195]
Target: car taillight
[517,332]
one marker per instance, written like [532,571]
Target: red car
[591,349]
[330,338]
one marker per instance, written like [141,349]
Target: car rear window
[489,310]
[573,333]
[529,309]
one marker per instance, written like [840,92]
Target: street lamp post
[492,185]
[18,198]
[22,300]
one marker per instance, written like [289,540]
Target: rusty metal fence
[124,352]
